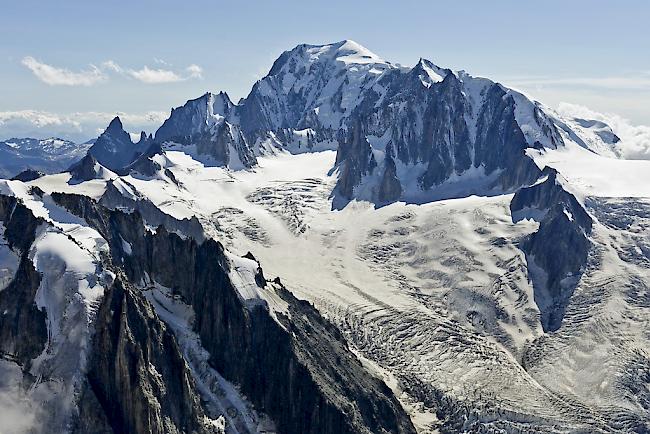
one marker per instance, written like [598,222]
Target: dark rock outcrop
[28,175]
[144,164]
[545,194]
[390,188]
[114,148]
[203,122]
[293,366]
[137,373]
[559,247]
[85,169]
[354,158]
[447,145]
[23,327]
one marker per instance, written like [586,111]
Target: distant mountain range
[46,155]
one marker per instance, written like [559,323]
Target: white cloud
[159,75]
[195,71]
[55,76]
[112,66]
[19,413]
[155,76]
[635,139]
[79,126]
[63,77]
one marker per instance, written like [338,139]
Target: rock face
[440,124]
[559,247]
[390,188]
[23,330]
[85,169]
[137,373]
[28,175]
[354,158]
[203,123]
[291,364]
[114,148]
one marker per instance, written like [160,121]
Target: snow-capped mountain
[355,247]
[45,155]
[417,127]
[204,125]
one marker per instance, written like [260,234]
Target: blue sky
[141,58]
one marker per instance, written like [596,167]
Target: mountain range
[355,247]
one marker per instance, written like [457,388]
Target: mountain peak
[428,72]
[347,52]
[115,125]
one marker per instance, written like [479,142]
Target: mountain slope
[417,127]
[114,148]
[108,317]
[453,257]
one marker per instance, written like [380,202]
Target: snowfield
[437,296]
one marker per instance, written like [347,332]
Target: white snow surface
[242,275]
[448,268]
[596,175]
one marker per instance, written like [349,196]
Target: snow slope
[437,294]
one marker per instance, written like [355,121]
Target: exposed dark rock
[144,164]
[84,170]
[203,122]
[114,148]
[28,175]
[137,372]
[20,223]
[547,192]
[355,159]
[447,145]
[91,417]
[559,247]
[299,370]
[23,327]
[500,143]
[390,188]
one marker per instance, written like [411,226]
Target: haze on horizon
[72,66]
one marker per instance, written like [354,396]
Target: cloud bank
[623,82]
[56,76]
[635,139]
[78,127]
